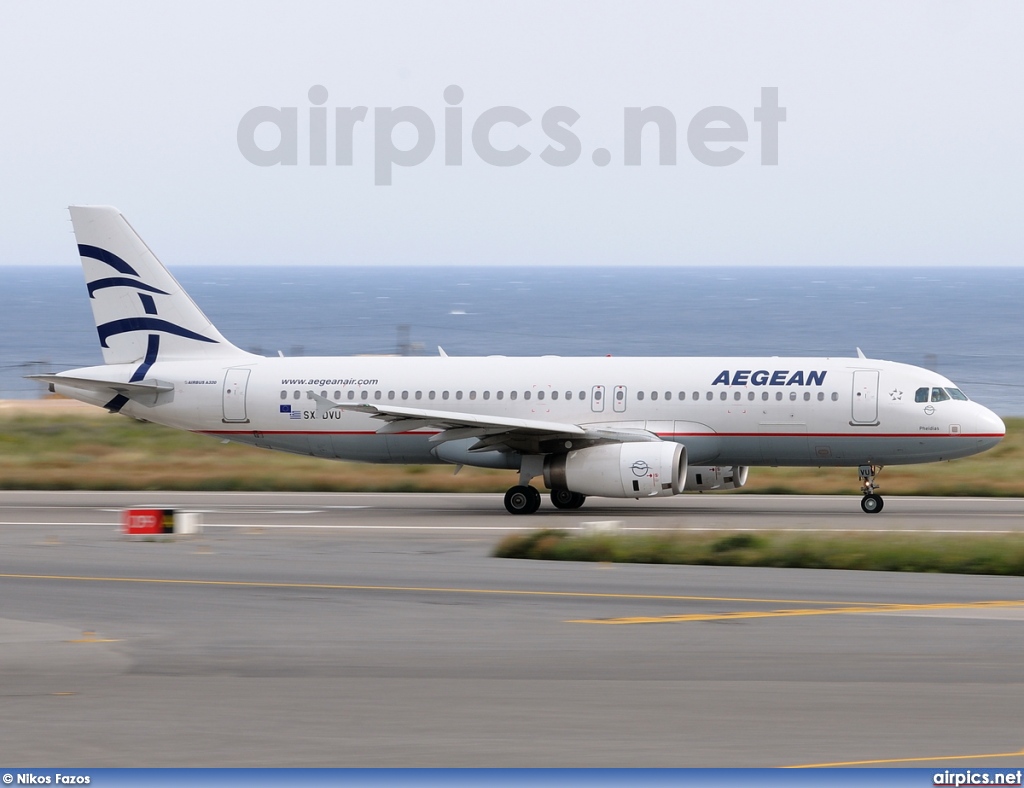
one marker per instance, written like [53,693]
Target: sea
[966,323]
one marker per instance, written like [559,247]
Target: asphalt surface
[376,630]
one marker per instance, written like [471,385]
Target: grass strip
[76,451]
[980,554]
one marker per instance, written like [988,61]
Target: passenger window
[487,395]
[682,395]
[792,396]
[750,395]
[419,395]
[710,396]
[376,395]
[921,395]
[835,396]
[807,396]
[696,395]
[668,395]
[540,395]
[737,395]
[364,394]
[458,395]
[444,395]
[405,395]
[472,395]
[939,395]
[323,394]
[284,395]
[724,395]
[583,395]
[764,396]
[821,396]
[554,395]
[337,395]
[778,396]
[351,395]
[526,395]
[296,395]
[513,394]
[431,395]
[500,395]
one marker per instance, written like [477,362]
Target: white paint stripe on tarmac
[528,526]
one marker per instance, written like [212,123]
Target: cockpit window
[921,395]
[939,395]
[957,394]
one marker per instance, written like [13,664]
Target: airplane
[603,426]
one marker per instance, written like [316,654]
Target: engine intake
[620,470]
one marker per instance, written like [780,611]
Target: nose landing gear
[872,502]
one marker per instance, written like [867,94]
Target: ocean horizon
[962,322]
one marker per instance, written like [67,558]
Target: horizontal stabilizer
[145,392]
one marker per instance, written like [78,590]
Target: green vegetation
[981,554]
[88,449]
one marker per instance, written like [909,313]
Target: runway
[375,630]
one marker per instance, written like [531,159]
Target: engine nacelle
[620,470]
[730,477]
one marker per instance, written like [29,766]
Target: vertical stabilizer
[142,314]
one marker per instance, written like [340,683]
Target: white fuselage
[726,411]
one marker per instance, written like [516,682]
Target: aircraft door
[236,381]
[597,399]
[619,401]
[865,396]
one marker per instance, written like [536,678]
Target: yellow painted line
[90,637]
[907,760]
[830,611]
[428,589]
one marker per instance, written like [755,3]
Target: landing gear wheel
[522,499]
[871,504]
[566,499]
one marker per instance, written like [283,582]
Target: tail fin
[141,311]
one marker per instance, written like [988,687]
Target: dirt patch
[50,406]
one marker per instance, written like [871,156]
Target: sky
[901,142]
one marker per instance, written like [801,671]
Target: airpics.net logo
[269,136]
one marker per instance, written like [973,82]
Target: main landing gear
[872,502]
[567,499]
[524,499]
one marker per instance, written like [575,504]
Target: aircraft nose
[991,428]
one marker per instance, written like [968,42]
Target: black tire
[567,499]
[872,504]
[522,499]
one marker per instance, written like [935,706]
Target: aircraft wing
[493,432]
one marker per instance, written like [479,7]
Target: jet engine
[620,470]
[730,477]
